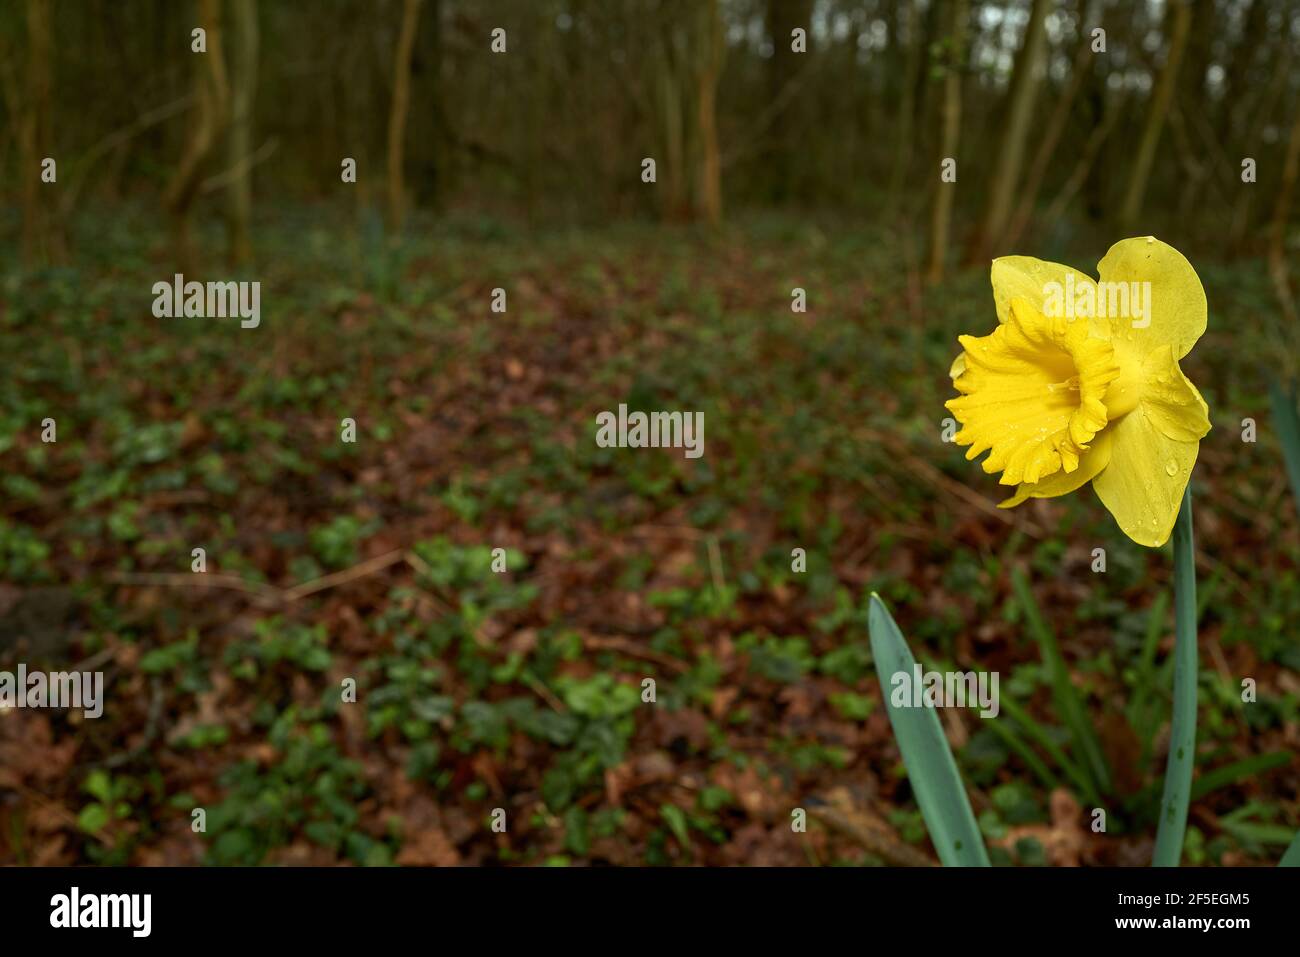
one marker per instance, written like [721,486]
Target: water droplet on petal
[1171,467]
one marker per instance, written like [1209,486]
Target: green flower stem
[1182,738]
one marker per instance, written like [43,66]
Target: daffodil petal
[958,366]
[1170,399]
[1026,277]
[1177,312]
[1143,484]
[1063,483]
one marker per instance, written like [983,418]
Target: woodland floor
[522,690]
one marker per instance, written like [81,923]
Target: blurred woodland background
[499,144]
[1102,114]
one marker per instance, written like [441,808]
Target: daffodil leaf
[933,773]
[1288,432]
[1292,856]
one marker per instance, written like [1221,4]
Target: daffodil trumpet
[1080,382]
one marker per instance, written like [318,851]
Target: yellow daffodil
[1080,382]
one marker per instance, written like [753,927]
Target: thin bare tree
[904,145]
[208,119]
[1011,150]
[941,215]
[27,79]
[243,85]
[1277,262]
[397,113]
[1157,112]
[710,50]
[1080,68]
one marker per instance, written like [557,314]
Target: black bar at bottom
[335,906]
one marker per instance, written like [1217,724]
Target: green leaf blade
[933,773]
[1292,856]
[1287,421]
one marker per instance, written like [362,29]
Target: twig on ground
[935,477]
[266,593]
[633,650]
[270,594]
[363,570]
[715,563]
[546,694]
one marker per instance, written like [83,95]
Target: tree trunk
[675,204]
[1277,264]
[1199,53]
[1080,68]
[1157,111]
[1084,170]
[397,115]
[243,84]
[709,51]
[209,116]
[783,16]
[439,181]
[1011,153]
[687,62]
[1239,233]
[942,213]
[904,146]
[28,102]
[929,126]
